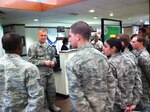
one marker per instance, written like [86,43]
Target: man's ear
[20,46]
[19,49]
[78,37]
[141,43]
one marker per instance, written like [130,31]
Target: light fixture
[141,20]
[129,18]
[95,17]
[91,11]
[36,20]
[111,14]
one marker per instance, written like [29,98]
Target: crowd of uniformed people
[112,78]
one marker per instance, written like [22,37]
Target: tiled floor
[63,102]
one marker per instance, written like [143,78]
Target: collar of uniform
[85,46]
[40,44]
[114,55]
[126,50]
[8,55]
[144,49]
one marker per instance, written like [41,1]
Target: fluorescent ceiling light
[91,11]
[36,20]
[95,17]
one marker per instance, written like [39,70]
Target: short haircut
[11,41]
[133,36]
[81,28]
[124,38]
[142,29]
[141,39]
[114,42]
[65,40]
[43,30]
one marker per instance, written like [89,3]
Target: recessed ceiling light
[95,17]
[91,11]
[111,14]
[36,20]
[141,20]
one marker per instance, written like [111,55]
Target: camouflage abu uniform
[129,86]
[90,81]
[20,90]
[138,84]
[98,45]
[144,63]
[38,53]
[130,55]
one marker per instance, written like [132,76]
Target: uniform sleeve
[33,57]
[137,90]
[53,57]
[35,90]
[144,64]
[131,83]
[79,102]
[111,87]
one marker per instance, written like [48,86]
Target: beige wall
[128,30]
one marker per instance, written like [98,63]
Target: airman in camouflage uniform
[143,58]
[144,32]
[98,44]
[43,56]
[125,40]
[91,83]
[129,86]
[20,90]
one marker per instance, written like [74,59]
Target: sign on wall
[110,28]
[111,31]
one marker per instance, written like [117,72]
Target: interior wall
[31,36]
[128,30]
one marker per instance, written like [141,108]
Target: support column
[1,34]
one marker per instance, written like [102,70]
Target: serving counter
[61,80]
